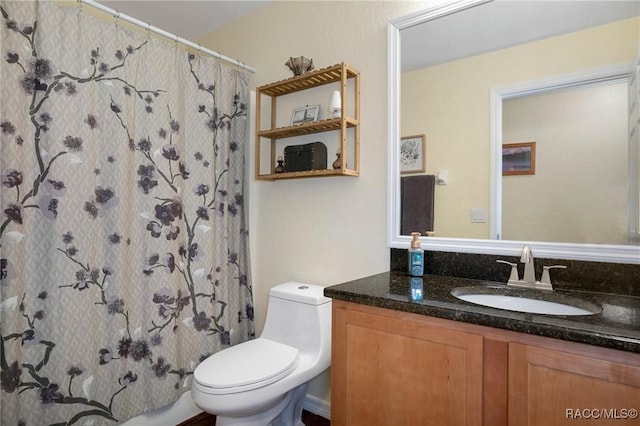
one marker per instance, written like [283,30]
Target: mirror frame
[587,252]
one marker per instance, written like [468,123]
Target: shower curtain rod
[166,34]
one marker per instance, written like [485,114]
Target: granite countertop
[617,326]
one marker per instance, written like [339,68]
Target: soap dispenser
[415,262]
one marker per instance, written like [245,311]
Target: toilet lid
[249,365]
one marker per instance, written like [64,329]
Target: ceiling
[501,24]
[480,29]
[188,19]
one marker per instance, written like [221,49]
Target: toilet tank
[299,315]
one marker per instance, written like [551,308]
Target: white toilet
[264,381]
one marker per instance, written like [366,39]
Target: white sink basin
[511,300]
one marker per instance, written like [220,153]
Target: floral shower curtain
[123,238]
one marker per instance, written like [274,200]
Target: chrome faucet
[529,267]
[529,278]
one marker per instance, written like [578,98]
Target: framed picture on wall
[519,158]
[306,114]
[413,154]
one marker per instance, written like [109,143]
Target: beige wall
[323,230]
[450,104]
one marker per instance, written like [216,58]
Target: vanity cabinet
[397,368]
[552,387]
[277,131]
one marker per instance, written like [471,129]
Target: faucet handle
[513,277]
[546,278]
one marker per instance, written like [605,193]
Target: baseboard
[318,406]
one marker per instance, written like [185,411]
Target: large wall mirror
[523,121]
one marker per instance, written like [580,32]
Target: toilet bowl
[264,381]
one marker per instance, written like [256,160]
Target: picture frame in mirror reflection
[413,154]
[305,114]
[519,158]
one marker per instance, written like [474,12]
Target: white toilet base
[287,412]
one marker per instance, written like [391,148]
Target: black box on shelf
[311,156]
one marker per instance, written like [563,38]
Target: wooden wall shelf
[307,128]
[332,74]
[308,174]
[337,74]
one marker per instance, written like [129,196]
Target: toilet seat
[246,366]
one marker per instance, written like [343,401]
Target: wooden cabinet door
[550,387]
[393,371]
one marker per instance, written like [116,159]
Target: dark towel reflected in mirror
[417,198]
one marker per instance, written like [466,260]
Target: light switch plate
[478,215]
